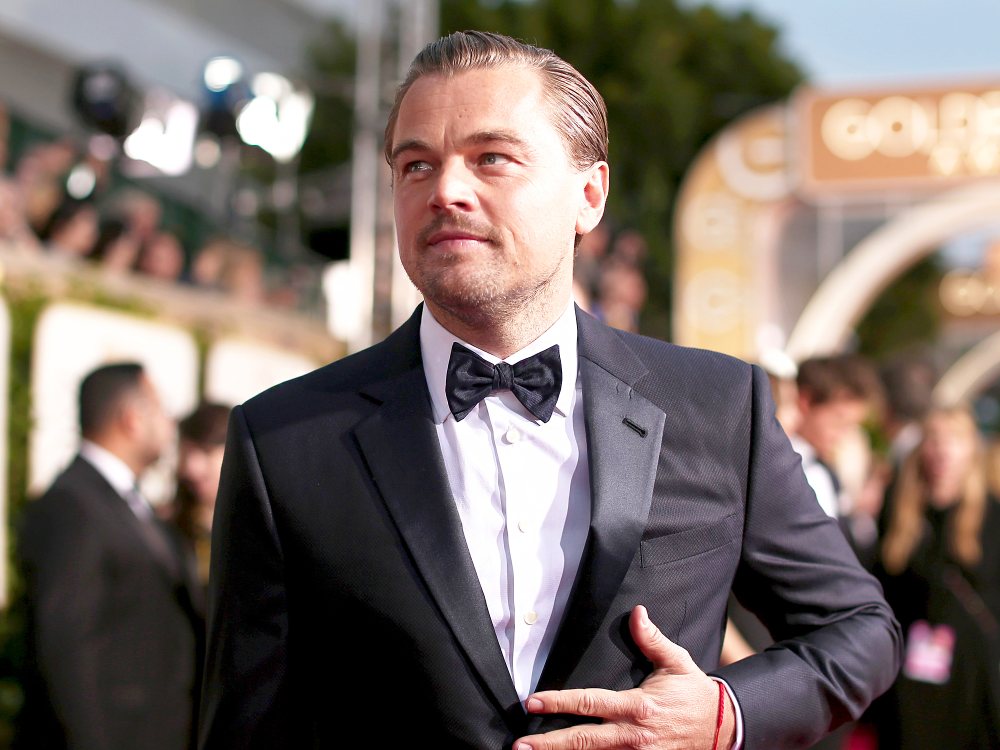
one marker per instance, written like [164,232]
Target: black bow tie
[535,381]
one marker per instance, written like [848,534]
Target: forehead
[498,99]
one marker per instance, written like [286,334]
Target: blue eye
[492,159]
[416,166]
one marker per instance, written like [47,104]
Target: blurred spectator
[14,228]
[781,373]
[209,262]
[831,407]
[621,295]
[940,567]
[590,252]
[630,246]
[41,178]
[909,383]
[199,465]
[140,211]
[116,249]
[863,471]
[71,230]
[162,257]
[993,465]
[608,279]
[837,395]
[231,267]
[112,633]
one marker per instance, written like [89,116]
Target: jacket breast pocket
[690,542]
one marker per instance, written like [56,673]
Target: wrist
[727,731]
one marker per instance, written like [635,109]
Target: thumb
[660,650]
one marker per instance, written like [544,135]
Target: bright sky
[845,43]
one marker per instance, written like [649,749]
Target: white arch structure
[971,373]
[851,287]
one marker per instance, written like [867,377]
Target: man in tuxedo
[112,634]
[508,525]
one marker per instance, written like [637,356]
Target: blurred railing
[62,316]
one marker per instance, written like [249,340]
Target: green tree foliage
[331,62]
[672,77]
[906,316]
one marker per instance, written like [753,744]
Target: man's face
[826,424]
[487,203]
[156,428]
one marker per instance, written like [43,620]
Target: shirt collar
[112,468]
[435,349]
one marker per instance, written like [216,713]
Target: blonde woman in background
[940,565]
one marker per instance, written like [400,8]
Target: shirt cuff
[738,743]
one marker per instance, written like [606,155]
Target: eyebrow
[411,144]
[478,138]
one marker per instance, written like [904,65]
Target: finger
[586,737]
[594,702]
[664,653]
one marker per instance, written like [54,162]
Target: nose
[453,187]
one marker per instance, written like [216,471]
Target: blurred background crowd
[274,201]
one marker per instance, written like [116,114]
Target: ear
[129,418]
[595,195]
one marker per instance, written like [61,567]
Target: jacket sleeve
[245,696]
[838,645]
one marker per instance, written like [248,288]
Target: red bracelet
[722,711]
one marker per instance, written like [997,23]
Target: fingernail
[533,704]
[522,746]
[644,618]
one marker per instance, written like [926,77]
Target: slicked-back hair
[103,390]
[577,108]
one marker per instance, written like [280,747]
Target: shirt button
[512,435]
[531,617]
[524,526]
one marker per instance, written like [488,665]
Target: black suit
[112,634]
[343,594]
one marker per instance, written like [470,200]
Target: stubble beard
[483,296]
[486,291]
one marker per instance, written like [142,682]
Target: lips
[453,236]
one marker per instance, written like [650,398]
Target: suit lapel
[624,433]
[401,446]
[159,548]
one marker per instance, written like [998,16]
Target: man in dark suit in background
[111,631]
[508,525]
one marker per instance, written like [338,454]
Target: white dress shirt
[818,476]
[118,475]
[522,487]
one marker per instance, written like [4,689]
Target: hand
[675,707]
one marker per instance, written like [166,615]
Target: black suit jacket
[342,592]
[112,635]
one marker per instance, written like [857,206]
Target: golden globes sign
[819,148]
[897,140]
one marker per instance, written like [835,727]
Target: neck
[122,449]
[502,332]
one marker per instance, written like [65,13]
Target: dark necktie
[153,534]
[535,381]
